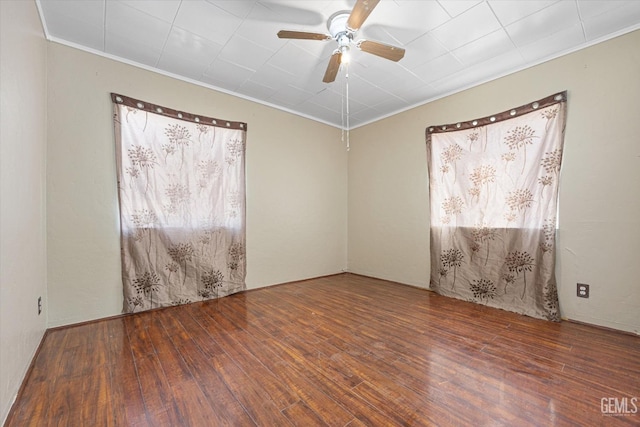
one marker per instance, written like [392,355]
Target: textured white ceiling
[231,45]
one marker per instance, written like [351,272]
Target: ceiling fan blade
[360,12]
[302,35]
[382,50]
[333,67]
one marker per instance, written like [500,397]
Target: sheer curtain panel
[493,188]
[181,187]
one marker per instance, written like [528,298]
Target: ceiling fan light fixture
[346,55]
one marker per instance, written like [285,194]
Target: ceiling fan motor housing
[337,25]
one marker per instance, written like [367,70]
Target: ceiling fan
[343,27]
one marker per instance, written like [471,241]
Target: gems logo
[619,407]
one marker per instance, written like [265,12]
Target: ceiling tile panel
[437,68]
[591,8]
[79,22]
[207,20]
[252,57]
[467,27]
[70,29]
[311,79]
[322,113]
[492,44]
[256,90]
[376,70]
[508,14]
[482,72]
[393,18]
[426,15]
[554,44]
[423,49]
[124,47]
[303,13]
[541,24]
[330,98]
[271,76]
[391,103]
[355,107]
[290,96]
[181,66]
[89,12]
[226,75]
[261,27]
[456,7]
[626,15]
[364,92]
[239,8]
[405,86]
[419,95]
[326,6]
[165,10]
[185,44]
[293,59]
[313,85]
[135,25]
[358,117]
[336,103]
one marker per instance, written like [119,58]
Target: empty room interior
[372,245]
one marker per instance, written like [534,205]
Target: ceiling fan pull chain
[347,100]
[342,134]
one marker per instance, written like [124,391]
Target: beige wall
[296,183]
[599,227]
[22,200]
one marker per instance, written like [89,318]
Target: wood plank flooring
[339,351]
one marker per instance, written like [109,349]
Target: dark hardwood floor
[342,350]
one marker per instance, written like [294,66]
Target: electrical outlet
[582,290]
[39,305]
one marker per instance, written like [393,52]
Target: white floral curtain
[181,183]
[493,185]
